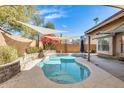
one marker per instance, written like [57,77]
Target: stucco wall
[92,47]
[118,45]
[34,43]
[20,46]
[2,40]
[68,48]
[20,43]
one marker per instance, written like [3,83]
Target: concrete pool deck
[34,78]
[113,66]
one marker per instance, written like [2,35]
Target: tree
[49,25]
[96,20]
[37,21]
[10,14]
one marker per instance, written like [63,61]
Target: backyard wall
[9,70]
[20,43]
[2,40]
[68,48]
[34,43]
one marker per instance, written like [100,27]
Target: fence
[68,48]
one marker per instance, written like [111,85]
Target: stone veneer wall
[27,59]
[9,70]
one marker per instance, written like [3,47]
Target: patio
[115,67]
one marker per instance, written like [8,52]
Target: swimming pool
[62,68]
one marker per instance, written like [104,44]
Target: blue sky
[75,19]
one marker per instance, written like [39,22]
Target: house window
[103,44]
[122,44]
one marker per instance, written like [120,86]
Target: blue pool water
[62,68]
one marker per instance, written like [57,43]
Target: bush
[7,54]
[49,46]
[33,50]
[93,51]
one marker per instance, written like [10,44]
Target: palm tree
[96,20]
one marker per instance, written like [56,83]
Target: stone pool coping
[35,78]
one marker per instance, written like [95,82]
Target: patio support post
[38,41]
[65,46]
[89,48]
[61,43]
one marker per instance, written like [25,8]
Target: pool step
[53,62]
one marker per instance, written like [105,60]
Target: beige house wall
[115,44]
[118,45]
[92,47]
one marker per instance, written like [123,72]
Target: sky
[74,19]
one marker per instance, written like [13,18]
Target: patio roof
[64,38]
[110,32]
[107,21]
[41,30]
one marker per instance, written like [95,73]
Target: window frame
[103,46]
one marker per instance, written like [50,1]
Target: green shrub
[7,54]
[49,46]
[93,51]
[33,50]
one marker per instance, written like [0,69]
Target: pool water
[62,69]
